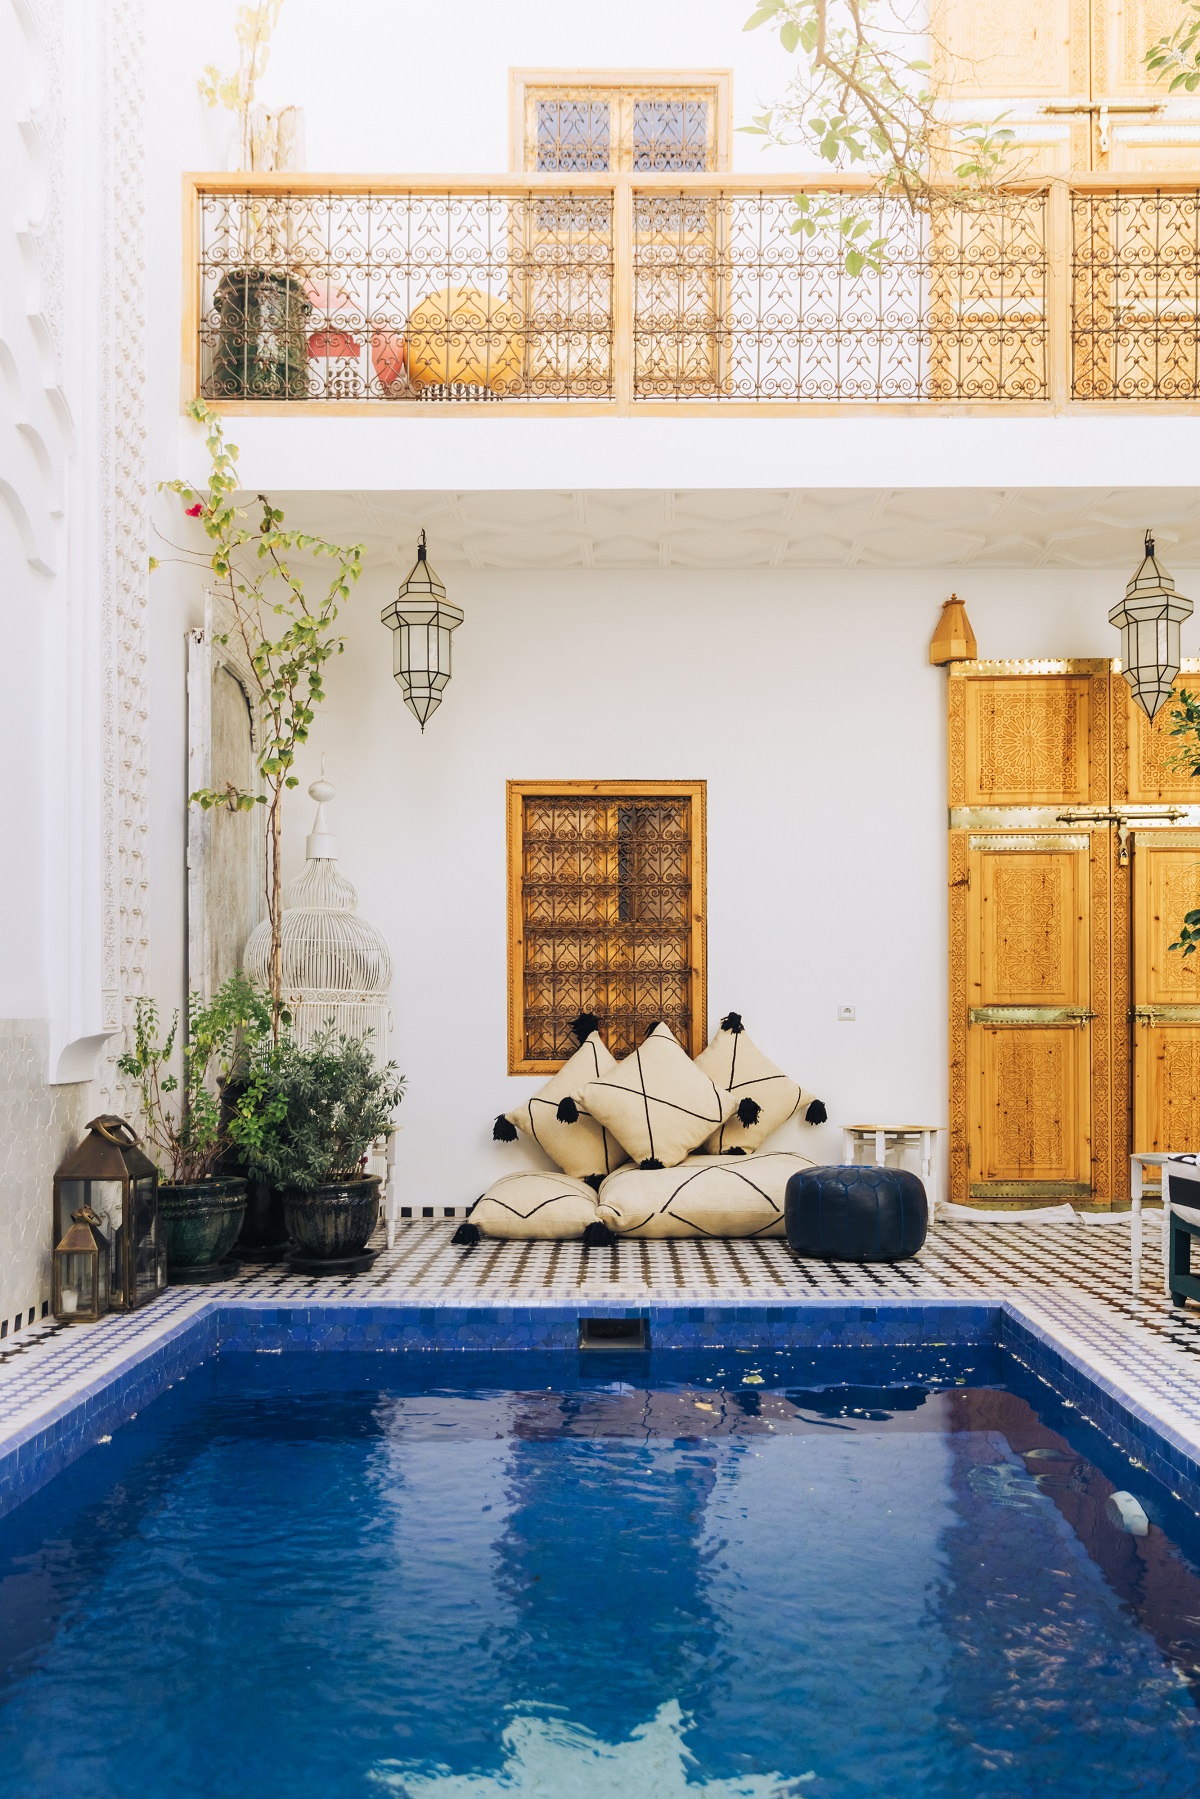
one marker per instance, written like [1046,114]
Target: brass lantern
[421,619]
[110,1176]
[82,1263]
[1148,619]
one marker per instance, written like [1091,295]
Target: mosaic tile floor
[1072,1280]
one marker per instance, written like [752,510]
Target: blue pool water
[857,1575]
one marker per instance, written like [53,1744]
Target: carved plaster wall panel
[38,1123]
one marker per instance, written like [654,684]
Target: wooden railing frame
[1059,189]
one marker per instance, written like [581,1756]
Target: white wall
[805,701]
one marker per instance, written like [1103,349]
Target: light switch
[845,1014]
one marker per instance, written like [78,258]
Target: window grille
[606,884]
[595,123]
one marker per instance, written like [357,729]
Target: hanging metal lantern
[421,619]
[1148,619]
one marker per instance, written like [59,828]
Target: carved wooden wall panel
[1026,740]
[1151,748]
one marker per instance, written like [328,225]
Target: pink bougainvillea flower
[195,511]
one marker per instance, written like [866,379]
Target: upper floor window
[641,122]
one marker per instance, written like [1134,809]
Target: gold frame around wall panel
[717,82]
[516,792]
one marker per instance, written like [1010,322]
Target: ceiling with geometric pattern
[755,528]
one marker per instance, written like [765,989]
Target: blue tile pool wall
[31,1457]
[815,1324]
[1133,1428]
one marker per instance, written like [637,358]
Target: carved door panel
[1030,1021]
[1166,992]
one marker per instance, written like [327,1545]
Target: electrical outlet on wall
[845,1014]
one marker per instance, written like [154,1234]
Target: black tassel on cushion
[503,1131]
[584,1025]
[749,1111]
[466,1236]
[598,1236]
[737,1150]
[816,1113]
[650,1162]
[594,1181]
[568,1111]
[732,1021]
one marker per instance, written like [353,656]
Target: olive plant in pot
[312,1112]
[187,1126]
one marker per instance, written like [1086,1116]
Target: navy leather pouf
[856,1214]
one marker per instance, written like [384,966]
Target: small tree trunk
[275,906]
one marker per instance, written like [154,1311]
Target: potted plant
[200,1209]
[312,1112]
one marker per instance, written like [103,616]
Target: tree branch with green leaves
[286,636]
[860,98]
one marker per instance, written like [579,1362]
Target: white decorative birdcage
[337,968]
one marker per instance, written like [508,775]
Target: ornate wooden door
[1030,897]
[1071,76]
[1074,854]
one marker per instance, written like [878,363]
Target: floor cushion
[537,1203]
[564,1128]
[657,1103]
[706,1196]
[766,1097]
[856,1214]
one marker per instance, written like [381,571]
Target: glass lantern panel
[69,1198]
[77,1283]
[145,1238]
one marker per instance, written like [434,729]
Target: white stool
[882,1137]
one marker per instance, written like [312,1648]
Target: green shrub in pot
[305,1121]
[186,1126]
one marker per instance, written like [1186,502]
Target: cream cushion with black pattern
[657,1103]
[539,1204]
[567,1133]
[736,1063]
[706,1196]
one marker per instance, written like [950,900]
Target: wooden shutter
[606,915]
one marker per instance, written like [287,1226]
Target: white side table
[882,1137]
[1137,1165]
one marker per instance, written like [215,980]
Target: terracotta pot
[200,1221]
[331,1223]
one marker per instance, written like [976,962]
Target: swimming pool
[847,1573]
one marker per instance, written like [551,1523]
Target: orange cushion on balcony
[461,335]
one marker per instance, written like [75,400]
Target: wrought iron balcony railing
[637,292]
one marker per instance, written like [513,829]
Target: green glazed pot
[335,1221]
[261,344]
[200,1221]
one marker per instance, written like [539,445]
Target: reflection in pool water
[463,1577]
